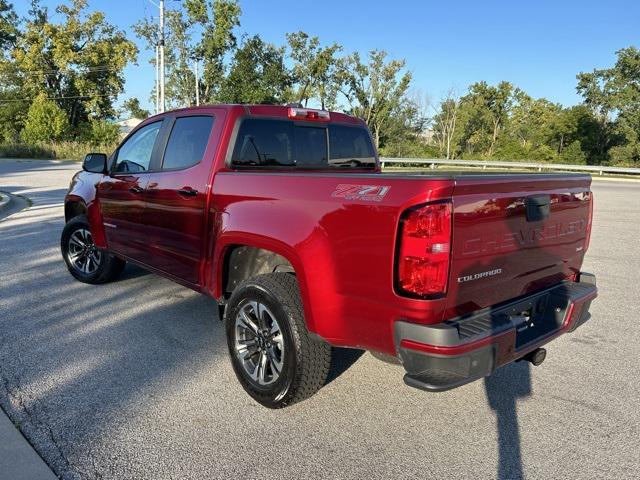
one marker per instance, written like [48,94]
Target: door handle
[136,190]
[188,192]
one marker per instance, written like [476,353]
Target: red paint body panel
[342,251]
[341,246]
[491,232]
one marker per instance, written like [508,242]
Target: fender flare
[230,240]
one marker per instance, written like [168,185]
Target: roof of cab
[267,111]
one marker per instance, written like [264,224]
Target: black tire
[102,267]
[306,359]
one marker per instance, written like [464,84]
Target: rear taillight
[424,247]
[589,197]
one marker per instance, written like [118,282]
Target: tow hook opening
[535,357]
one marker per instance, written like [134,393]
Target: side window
[187,142]
[264,143]
[134,155]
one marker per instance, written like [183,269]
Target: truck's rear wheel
[85,261]
[276,359]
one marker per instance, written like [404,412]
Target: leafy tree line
[247,69]
[60,77]
[504,122]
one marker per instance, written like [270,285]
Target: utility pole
[197,82]
[162,103]
[157,79]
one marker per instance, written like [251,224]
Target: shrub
[99,132]
[67,150]
[45,122]
[573,154]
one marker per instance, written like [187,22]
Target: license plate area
[531,319]
[540,317]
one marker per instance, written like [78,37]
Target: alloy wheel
[259,342]
[82,254]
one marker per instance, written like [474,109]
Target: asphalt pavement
[132,380]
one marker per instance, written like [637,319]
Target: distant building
[428,136]
[125,126]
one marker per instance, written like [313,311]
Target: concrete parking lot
[131,379]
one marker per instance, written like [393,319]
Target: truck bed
[342,246]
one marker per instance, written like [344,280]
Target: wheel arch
[254,255]
[74,207]
[245,261]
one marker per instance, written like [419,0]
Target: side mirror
[95,163]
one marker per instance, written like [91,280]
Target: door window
[187,142]
[135,154]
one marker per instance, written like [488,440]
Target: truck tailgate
[515,234]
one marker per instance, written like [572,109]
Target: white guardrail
[432,162]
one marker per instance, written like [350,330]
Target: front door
[121,194]
[176,196]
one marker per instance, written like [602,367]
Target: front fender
[81,197]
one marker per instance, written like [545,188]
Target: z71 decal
[369,193]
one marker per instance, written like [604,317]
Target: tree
[531,119]
[257,74]
[571,126]
[403,133]
[218,19]
[613,95]
[100,133]
[314,69]
[376,90]
[45,121]
[12,116]
[178,58]
[78,62]
[486,110]
[445,122]
[132,106]
[8,25]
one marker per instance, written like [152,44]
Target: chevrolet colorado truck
[283,216]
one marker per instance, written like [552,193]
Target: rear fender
[228,241]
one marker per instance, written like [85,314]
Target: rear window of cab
[282,143]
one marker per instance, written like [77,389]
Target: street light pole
[157,79]
[162,103]
[197,83]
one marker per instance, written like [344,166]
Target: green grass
[68,150]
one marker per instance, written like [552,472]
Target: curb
[18,459]
[5,201]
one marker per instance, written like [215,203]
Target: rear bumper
[450,354]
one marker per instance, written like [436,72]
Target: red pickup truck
[283,216]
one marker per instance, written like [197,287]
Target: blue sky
[538,45]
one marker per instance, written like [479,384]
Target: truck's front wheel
[276,359]
[85,261]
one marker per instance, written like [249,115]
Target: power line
[68,97]
[64,71]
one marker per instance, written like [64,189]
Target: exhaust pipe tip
[536,357]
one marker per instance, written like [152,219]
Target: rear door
[176,196]
[515,234]
[121,193]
